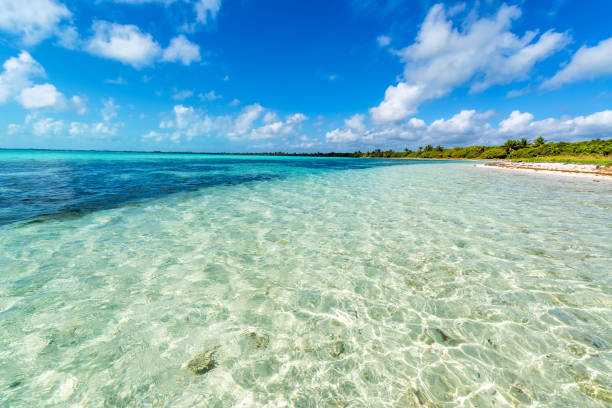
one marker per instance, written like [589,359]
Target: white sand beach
[595,172]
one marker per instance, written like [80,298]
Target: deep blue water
[39,184]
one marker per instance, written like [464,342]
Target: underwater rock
[261,341]
[445,337]
[203,362]
[337,349]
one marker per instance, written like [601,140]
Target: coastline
[595,172]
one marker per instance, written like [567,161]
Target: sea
[188,280]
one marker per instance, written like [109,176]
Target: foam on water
[406,285]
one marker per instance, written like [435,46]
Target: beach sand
[593,172]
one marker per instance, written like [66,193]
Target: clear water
[323,282]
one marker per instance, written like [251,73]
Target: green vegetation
[595,151]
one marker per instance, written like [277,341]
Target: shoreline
[595,172]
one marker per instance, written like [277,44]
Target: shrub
[494,153]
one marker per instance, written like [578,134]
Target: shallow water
[323,282]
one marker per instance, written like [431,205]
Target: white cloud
[519,124]
[129,45]
[342,136]
[465,122]
[47,126]
[210,96]
[181,95]
[79,104]
[383,40]
[166,2]
[270,117]
[109,109]
[183,50]
[587,63]
[158,137]
[244,121]
[276,129]
[355,122]
[41,96]
[400,101]
[104,129]
[17,75]
[484,52]
[16,82]
[516,122]
[68,37]
[254,122]
[32,21]
[124,43]
[470,127]
[33,124]
[234,102]
[117,81]
[96,129]
[207,9]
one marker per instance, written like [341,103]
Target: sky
[301,76]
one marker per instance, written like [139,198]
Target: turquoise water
[322,282]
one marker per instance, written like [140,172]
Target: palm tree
[511,144]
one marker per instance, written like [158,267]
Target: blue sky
[246,75]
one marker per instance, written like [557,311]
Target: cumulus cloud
[244,121]
[46,126]
[41,96]
[38,126]
[129,45]
[470,127]
[17,83]
[482,53]
[519,124]
[124,43]
[17,75]
[183,50]
[356,122]
[275,129]
[587,63]
[33,21]
[342,136]
[253,122]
